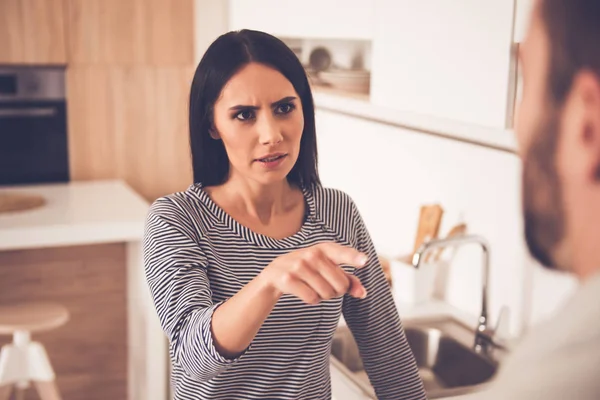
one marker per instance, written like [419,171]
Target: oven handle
[27,112]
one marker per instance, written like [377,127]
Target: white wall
[211,19]
[391,172]
[309,18]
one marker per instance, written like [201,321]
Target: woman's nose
[269,131]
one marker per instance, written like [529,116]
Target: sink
[443,349]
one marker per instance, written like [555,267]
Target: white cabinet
[522,17]
[351,19]
[447,59]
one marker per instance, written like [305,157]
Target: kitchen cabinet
[130,70]
[83,249]
[32,32]
[89,353]
[522,17]
[446,59]
[132,32]
[342,387]
[352,19]
[130,123]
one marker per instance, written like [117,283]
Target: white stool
[25,361]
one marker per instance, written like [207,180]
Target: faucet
[484,335]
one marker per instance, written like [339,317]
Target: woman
[251,267]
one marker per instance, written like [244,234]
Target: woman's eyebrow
[278,102]
[284,100]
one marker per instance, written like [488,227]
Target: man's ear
[588,85]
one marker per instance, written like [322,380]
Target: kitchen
[423,132]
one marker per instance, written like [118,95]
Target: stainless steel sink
[443,349]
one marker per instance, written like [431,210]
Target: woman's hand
[314,274]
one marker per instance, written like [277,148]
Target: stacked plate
[348,80]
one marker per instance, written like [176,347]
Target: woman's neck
[257,200]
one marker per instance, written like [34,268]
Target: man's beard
[542,198]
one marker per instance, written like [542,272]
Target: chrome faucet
[484,335]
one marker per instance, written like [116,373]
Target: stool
[25,361]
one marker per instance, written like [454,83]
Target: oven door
[33,142]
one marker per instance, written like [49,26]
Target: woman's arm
[175,268]
[376,326]
[206,337]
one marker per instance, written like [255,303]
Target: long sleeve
[175,269]
[377,329]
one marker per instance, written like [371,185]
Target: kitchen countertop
[75,213]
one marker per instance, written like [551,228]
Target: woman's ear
[214,134]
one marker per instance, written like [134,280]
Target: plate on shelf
[358,81]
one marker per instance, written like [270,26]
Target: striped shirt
[196,257]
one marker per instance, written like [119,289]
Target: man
[558,130]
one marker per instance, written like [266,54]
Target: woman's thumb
[356,288]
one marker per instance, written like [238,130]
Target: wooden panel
[169,32]
[89,353]
[132,32]
[90,124]
[130,123]
[32,32]
[105,31]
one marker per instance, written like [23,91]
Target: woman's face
[259,118]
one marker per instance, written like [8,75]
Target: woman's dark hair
[225,57]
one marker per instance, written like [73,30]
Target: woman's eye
[244,115]
[285,108]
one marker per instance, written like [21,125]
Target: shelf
[359,106]
[330,91]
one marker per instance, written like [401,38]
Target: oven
[33,125]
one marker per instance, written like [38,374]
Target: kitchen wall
[390,172]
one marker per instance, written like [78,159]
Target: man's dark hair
[573,28]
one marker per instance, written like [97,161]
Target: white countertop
[75,213]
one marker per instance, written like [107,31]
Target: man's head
[558,130]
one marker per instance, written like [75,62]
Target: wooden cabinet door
[130,123]
[132,32]
[32,32]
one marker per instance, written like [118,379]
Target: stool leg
[5,392]
[41,373]
[47,390]
[12,368]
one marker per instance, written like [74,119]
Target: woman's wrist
[266,287]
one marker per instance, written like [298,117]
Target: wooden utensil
[429,224]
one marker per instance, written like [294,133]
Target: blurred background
[414,105]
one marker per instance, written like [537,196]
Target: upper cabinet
[32,32]
[132,32]
[447,59]
[522,17]
[351,19]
